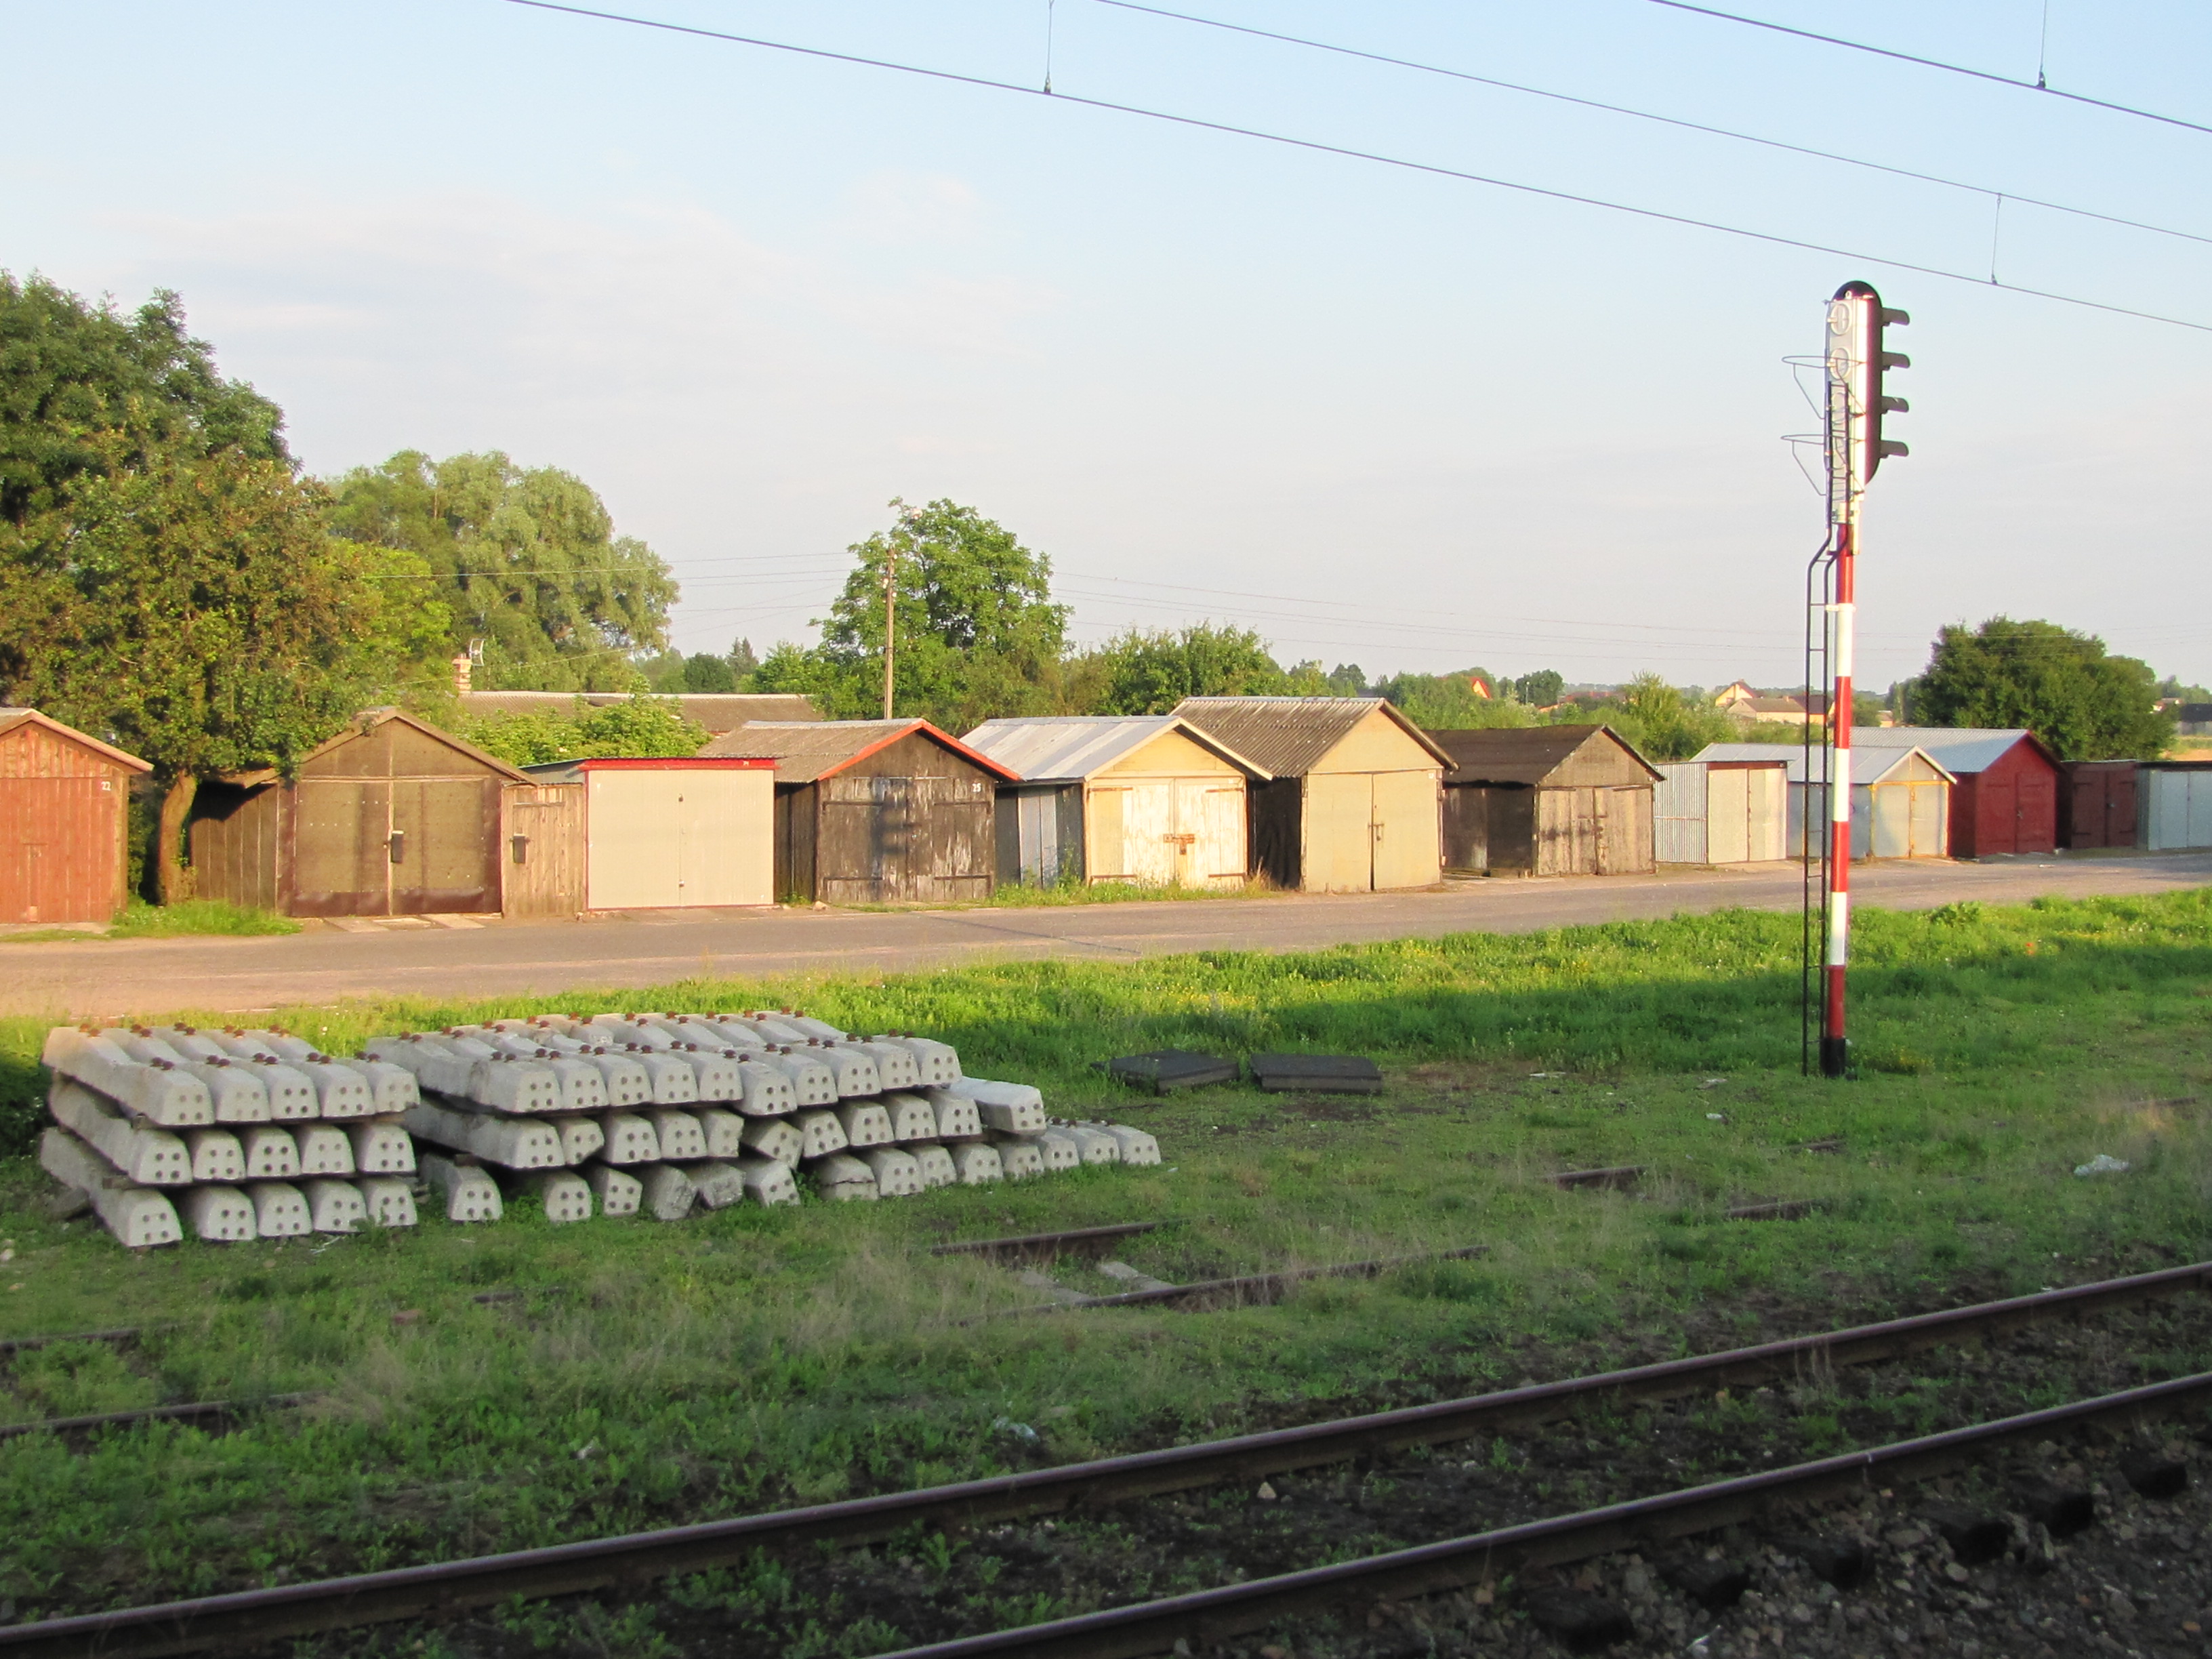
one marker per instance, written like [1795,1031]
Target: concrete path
[160,976]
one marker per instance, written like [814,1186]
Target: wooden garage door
[378,847]
[889,840]
[60,841]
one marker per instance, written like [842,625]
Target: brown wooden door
[2035,814]
[543,847]
[60,841]
[891,840]
[342,856]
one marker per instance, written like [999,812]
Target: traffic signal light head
[1856,359]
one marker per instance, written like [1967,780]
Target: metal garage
[2177,805]
[1349,805]
[2006,798]
[64,816]
[658,834]
[390,817]
[1711,813]
[1900,798]
[1145,798]
[1546,800]
[875,811]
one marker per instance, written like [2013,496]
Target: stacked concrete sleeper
[232,1135]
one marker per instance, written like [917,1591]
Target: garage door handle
[521,846]
[396,842]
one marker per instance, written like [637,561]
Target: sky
[1383,416]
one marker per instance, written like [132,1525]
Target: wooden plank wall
[64,811]
[544,876]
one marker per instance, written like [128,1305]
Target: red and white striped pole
[1834,1050]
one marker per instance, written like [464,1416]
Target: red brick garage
[2006,799]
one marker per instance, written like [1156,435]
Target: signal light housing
[1856,356]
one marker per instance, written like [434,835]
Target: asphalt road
[150,977]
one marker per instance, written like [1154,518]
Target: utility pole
[890,620]
[1855,405]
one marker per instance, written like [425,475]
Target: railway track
[246,1618]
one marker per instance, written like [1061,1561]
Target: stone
[470,1194]
[842,1178]
[562,1194]
[2063,1511]
[668,1192]
[1009,1108]
[1060,1149]
[1132,1278]
[822,1132]
[775,1137]
[1975,1536]
[216,1155]
[580,1137]
[166,1096]
[271,1153]
[958,1118]
[148,1156]
[280,1210]
[335,1206]
[518,1143]
[628,1139]
[393,1088]
[725,1132]
[220,1214]
[1583,1621]
[324,1150]
[911,1117]
[934,1163]
[897,1174]
[139,1217]
[1137,1147]
[617,1192]
[767,1180]
[865,1124]
[1713,1585]
[1019,1157]
[386,1202]
[718,1184]
[1093,1145]
[977,1163]
[2152,1473]
[381,1148]
[681,1137]
[1842,1562]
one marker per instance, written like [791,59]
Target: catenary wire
[1648,115]
[1936,64]
[1347,153]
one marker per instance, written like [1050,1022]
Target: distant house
[64,818]
[1900,798]
[876,811]
[1108,798]
[1546,800]
[719,712]
[1741,701]
[2006,797]
[1349,804]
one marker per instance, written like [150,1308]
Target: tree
[1347,680]
[703,671]
[526,560]
[1449,702]
[1658,719]
[1149,671]
[742,664]
[2058,683]
[643,727]
[1540,689]
[167,580]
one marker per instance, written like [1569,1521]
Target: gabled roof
[367,721]
[1963,749]
[1288,735]
[1876,767]
[12,717]
[1524,753]
[718,711]
[806,751]
[1066,748]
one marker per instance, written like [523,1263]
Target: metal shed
[655,834]
[1349,803]
[1546,800]
[1900,798]
[2006,799]
[2096,804]
[64,820]
[2177,805]
[390,817]
[875,811]
[1143,798]
[1721,812]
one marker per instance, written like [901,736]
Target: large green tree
[1449,702]
[167,579]
[1149,671]
[2060,685]
[525,559]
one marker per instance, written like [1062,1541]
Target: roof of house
[1878,766]
[1288,735]
[1524,753]
[367,721]
[1963,749]
[806,751]
[718,711]
[11,719]
[1066,748]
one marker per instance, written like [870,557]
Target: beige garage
[1350,803]
[659,834]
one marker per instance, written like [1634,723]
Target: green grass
[751,1357]
[189,918]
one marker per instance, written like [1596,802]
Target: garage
[662,834]
[1546,800]
[64,814]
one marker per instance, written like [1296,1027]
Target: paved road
[164,977]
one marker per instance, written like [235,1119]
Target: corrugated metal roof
[1287,735]
[1065,748]
[1873,768]
[806,751]
[1961,749]
[718,711]
[1523,754]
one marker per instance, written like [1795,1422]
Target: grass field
[142,921]
[653,1374]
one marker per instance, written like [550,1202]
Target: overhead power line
[1317,146]
[2036,85]
[1648,115]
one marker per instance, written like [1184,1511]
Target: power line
[1648,115]
[2036,85]
[1319,148]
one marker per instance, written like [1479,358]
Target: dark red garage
[2006,799]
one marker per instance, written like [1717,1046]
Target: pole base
[1835,1056]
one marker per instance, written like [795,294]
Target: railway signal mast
[1855,363]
